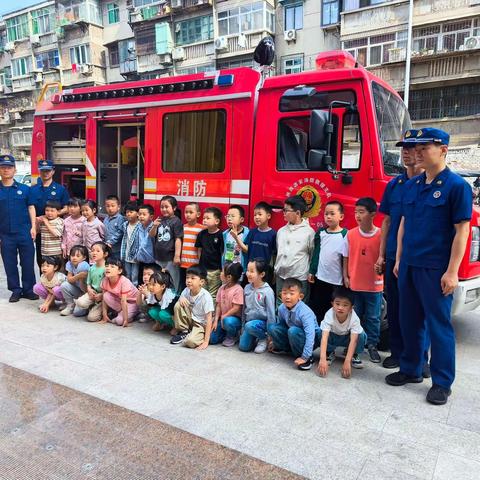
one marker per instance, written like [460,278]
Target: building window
[247,18]
[356,4]
[235,63]
[294,16]
[47,60]
[330,12]
[70,11]
[113,55]
[21,66]
[197,69]
[113,13]
[454,101]
[43,21]
[194,141]
[126,50]
[293,65]
[194,30]
[17,28]
[80,55]
[141,3]
[21,138]
[145,39]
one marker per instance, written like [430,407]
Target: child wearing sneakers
[259,309]
[296,329]
[341,328]
[326,269]
[193,313]
[229,307]
[360,251]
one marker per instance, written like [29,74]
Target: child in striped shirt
[189,256]
[51,231]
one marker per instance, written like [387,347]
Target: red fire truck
[234,137]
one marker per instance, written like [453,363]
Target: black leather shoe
[390,362]
[30,296]
[398,379]
[438,395]
[14,298]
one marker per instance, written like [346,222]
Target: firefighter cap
[432,135]
[408,139]
[7,161]
[45,165]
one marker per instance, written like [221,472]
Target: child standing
[143,292]
[49,286]
[93,230]
[145,252]
[261,242]
[119,295]
[259,309]
[193,312]
[229,306]
[167,232]
[191,229]
[93,298]
[296,329]
[361,251]
[72,231]
[160,301]
[76,283]
[113,224]
[51,231]
[210,248]
[234,234]
[326,267]
[131,242]
[341,328]
[294,246]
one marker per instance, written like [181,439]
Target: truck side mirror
[318,129]
[316,159]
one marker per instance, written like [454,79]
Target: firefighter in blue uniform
[17,231]
[436,209]
[391,207]
[46,189]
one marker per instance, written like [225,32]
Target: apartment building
[304,28]
[445,58]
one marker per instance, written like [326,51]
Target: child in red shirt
[361,250]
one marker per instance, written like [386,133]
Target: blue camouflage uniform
[430,211]
[15,237]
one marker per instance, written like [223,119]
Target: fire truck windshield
[393,119]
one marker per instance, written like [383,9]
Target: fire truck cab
[232,137]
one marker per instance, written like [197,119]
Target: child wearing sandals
[228,313]
[259,308]
[119,295]
[160,300]
[90,303]
[49,286]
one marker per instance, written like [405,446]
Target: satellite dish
[265,52]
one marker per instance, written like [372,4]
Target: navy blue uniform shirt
[391,205]
[42,195]
[431,212]
[14,203]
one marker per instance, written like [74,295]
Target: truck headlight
[475,244]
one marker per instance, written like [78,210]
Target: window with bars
[21,66]
[453,101]
[293,65]
[43,21]
[17,28]
[47,60]
[194,30]
[145,39]
[113,13]
[21,137]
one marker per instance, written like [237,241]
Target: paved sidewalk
[259,404]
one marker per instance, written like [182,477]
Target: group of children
[209,287]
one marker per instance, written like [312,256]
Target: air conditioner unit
[471,43]
[221,43]
[176,3]
[35,40]
[178,53]
[165,59]
[136,16]
[38,77]
[85,69]
[9,47]
[290,35]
